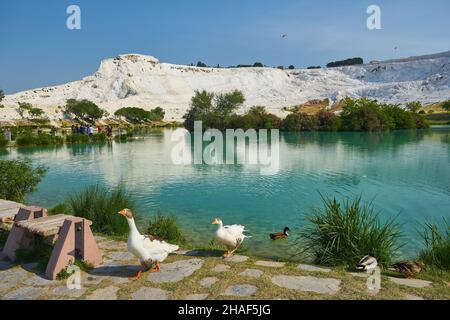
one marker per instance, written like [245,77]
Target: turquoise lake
[404,173]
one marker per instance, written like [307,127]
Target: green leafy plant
[166,228]
[18,178]
[342,233]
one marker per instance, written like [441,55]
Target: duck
[407,268]
[280,235]
[148,249]
[367,263]
[230,236]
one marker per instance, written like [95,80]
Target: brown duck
[408,268]
[280,235]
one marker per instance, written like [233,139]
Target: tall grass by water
[342,233]
[436,253]
[84,138]
[166,228]
[40,139]
[101,206]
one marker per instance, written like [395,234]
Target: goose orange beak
[122,212]
[215,221]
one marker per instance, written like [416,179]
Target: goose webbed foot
[156,268]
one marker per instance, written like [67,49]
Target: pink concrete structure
[75,242]
[72,237]
[18,237]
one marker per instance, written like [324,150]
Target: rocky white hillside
[142,81]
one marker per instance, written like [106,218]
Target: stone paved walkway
[200,275]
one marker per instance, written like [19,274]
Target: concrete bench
[8,211]
[72,238]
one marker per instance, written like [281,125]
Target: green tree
[18,177]
[84,109]
[227,103]
[36,113]
[258,65]
[291,67]
[24,107]
[201,106]
[157,114]
[414,106]
[213,110]
[446,105]
[364,115]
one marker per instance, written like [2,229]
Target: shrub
[157,114]
[399,118]
[18,177]
[436,253]
[201,65]
[414,106]
[166,228]
[342,233]
[347,62]
[256,118]
[300,122]
[3,141]
[364,115]
[212,109]
[446,105]
[24,107]
[41,139]
[101,207]
[84,109]
[138,115]
[328,121]
[36,113]
[77,138]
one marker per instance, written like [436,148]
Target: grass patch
[166,228]
[436,254]
[79,138]
[61,208]
[41,139]
[342,233]
[124,137]
[101,206]
[83,265]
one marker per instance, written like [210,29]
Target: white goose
[149,250]
[230,236]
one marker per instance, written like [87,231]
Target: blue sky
[38,50]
